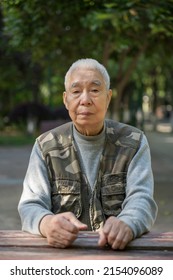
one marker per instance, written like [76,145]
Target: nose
[85,98]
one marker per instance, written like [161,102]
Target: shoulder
[120,127]
[55,131]
[118,130]
[58,136]
[122,133]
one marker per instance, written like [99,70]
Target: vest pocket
[113,193]
[66,196]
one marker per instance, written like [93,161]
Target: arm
[35,206]
[139,209]
[35,201]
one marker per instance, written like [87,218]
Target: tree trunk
[124,79]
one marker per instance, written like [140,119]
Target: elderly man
[91,173]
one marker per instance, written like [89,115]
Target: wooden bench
[18,245]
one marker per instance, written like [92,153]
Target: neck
[90,131]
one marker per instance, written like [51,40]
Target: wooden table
[18,245]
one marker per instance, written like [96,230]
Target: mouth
[85,114]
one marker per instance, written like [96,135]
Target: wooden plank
[28,253]
[22,234]
[22,245]
[16,234]
[150,241]
[92,234]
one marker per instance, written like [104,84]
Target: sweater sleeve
[139,209]
[35,201]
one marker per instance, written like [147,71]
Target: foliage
[132,38]
[17,140]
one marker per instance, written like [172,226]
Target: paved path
[14,161]
[162,161]
[13,165]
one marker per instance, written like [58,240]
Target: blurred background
[38,42]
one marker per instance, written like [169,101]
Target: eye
[95,90]
[76,92]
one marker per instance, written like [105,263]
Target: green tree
[134,29]
[121,34]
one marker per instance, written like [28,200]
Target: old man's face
[87,100]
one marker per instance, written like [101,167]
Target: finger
[127,238]
[107,226]
[122,239]
[80,225]
[115,233]
[67,225]
[107,233]
[72,218]
[102,239]
[61,238]
[117,243]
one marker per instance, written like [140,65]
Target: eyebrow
[76,84]
[94,82]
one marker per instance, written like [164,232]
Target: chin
[82,124]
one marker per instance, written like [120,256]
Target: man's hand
[61,229]
[116,233]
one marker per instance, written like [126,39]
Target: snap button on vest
[96,226]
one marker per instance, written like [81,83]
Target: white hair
[88,63]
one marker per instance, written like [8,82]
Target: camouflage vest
[70,190]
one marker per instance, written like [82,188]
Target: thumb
[79,225]
[72,218]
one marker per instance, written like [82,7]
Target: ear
[65,99]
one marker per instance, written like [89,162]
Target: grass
[16,140]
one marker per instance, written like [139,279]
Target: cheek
[71,105]
[102,107]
